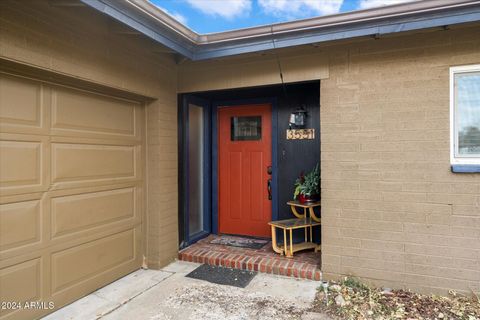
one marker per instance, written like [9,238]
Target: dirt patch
[350,299]
[230,303]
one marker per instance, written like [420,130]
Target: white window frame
[454,159]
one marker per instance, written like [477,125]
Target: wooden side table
[289,247]
[310,206]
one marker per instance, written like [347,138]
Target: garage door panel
[74,213]
[20,163]
[82,113]
[23,282]
[89,285]
[71,192]
[23,105]
[79,263]
[91,163]
[23,164]
[19,224]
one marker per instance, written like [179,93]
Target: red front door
[245,153]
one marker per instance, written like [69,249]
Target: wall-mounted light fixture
[298,118]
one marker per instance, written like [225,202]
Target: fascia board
[196,47]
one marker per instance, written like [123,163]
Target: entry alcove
[289,157]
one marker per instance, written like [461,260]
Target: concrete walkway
[167,294]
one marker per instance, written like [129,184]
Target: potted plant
[307,186]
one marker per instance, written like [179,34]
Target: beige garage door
[71,192]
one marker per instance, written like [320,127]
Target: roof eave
[144,17]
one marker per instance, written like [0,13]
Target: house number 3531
[300,134]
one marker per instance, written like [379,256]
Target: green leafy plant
[308,184]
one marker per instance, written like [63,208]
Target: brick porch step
[305,265]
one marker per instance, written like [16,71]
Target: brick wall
[392,212]
[80,42]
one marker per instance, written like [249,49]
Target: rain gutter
[149,20]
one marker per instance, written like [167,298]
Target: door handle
[269,188]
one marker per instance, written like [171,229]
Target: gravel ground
[351,299]
[228,303]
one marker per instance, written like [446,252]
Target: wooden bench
[288,247]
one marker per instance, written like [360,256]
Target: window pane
[195,168]
[246,128]
[467,100]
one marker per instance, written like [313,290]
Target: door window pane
[246,128]
[195,168]
[467,101]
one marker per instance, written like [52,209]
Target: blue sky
[206,16]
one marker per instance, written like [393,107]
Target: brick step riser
[260,264]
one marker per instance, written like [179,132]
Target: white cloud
[300,8]
[224,8]
[367,4]
[175,15]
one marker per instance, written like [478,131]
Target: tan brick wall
[392,212]
[82,43]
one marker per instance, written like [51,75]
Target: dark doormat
[239,242]
[222,275]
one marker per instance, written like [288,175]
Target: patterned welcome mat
[239,242]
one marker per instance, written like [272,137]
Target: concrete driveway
[167,294]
